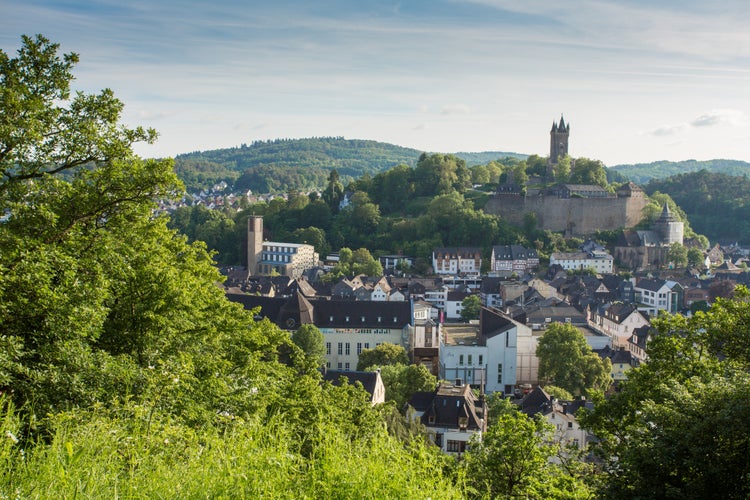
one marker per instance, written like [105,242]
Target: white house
[599,261]
[457,260]
[488,359]
[656,295]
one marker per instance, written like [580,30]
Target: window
[328,364]
[340,350]
[380,319]
[348,349]
[367,345]
[346,319]
[359,348]
[328,348]
[395,319]
[339,366]
[470,361]
[454,446]
[330,319]
[346,367]
[570,425]
[362,318]
[499,373]
[461,359]
[481,360]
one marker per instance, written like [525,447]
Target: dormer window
[363,319]
[346,319]
[380,318]
[330,319]
[463,422]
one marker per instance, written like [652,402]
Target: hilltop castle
[574,209]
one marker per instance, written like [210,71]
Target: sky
[637,80]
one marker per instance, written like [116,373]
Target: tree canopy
[382,355]
[567,361]
[676,427]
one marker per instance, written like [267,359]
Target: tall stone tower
[254,243]
[670,228]
[558,141]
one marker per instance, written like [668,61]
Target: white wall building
[599,261]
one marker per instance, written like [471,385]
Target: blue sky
[637,80]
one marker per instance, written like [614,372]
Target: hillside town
[493,350]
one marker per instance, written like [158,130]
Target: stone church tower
[558,141]
[254,243]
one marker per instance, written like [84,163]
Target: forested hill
[717,205]
[641,173]
[281,164]
[268,166]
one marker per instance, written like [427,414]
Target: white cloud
[455,109]
[730,117]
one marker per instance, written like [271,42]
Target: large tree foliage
[513,459]
[677,427]
[381,355]
[99,300]
[401,381]
[567,361]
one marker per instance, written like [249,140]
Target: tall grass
[97,454]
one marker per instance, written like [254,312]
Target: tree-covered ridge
[302,164]
[641,173]
[717,204]
[282,164]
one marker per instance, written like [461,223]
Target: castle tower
[254,243]
[558,141]
[669,227]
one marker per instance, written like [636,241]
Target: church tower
[558,141]
[254,243]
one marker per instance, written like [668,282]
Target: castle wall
[575,216]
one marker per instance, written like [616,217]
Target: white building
[268,257]
[487,360]
[457,260]
[599,261]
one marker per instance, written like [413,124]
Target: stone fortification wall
[575,216]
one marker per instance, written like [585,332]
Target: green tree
[382,355]
[123,307]
[676,427]
[562,169]
[441,174]
[567,361]
[677,254]
[558,392]
[512,459]
[586,171]
[695,257]
[470,307]
[310,339]
[401,381]
[334,191]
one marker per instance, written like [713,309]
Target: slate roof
[652,285]
[368,380]
[452,402]
[327,313]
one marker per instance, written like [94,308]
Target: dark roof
[420,401]
[513,252]
[491,285]
[652,285]
[327,313]
[450,403]
[367,379]
[536,401]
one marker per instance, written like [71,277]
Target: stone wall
[574,216]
